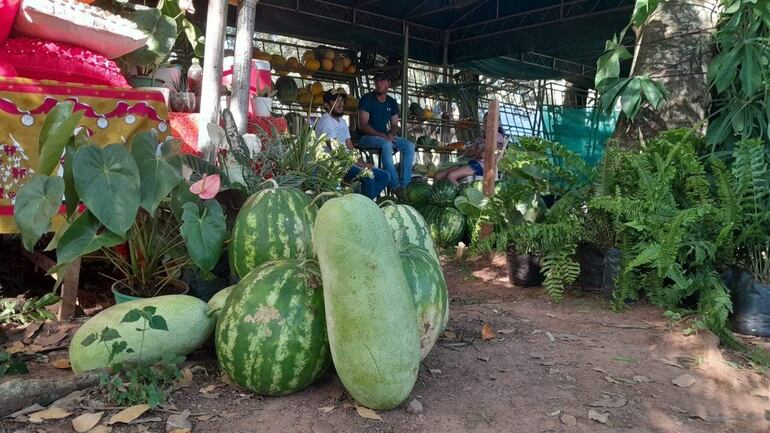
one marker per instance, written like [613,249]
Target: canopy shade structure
[523,39]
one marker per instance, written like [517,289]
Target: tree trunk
[674,48]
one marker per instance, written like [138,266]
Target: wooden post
[490,159]
[216,17]
[69,291]
[244,36]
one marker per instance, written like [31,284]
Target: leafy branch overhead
[634,91]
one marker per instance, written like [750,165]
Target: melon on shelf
[317,89]
[329,54]
[312,65]
[327,65]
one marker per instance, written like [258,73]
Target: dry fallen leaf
[30,331]
[536,355]
[326,409]
[86,422]
[103,429]
[506,331]
[365,412]
[642,379]
[483,358]
[487,333]
[598,416]
[27,410]
[568,419]
[50,413]
[15,347]
[127,415]
[205,417]
[683,381]
[181,430]
[60,363]
[52,339]
[550,336]
[179,421]
[761,393]
[209,388]
[184,382]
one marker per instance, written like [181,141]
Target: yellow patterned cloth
[110,115]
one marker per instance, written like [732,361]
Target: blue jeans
[369,187]
[386,147]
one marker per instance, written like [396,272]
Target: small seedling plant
[135,382]
[9,364]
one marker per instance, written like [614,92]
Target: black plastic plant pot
[524,269]
[611,270]
[591,260]
[751,305]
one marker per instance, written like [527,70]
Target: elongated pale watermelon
[275,223]
[410,227]
[370,314]
[431,298]
[271,333]
[188,328]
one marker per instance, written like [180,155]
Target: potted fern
[537,237]
[129,193]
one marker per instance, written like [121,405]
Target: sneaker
[399,193]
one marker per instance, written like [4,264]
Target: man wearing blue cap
[378,118]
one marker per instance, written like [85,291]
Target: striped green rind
[409,227]
[446,225]
[429,289]
[417,193]
[275,223]
[443,193]
[271,333]
[370,314]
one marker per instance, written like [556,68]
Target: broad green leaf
[159,323]
[631,99]
[149,310]
[132,316]
[57,129]
[107,180]
[37,202]
[467,208]
[179,197]
[751,71]
[163,32]
[157,178]
[652,92]
[643,10]
[85,235]
[204,234]
[71,198]
[109,334]
[91,339]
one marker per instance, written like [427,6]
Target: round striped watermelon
[274,223]
[446,225]
[271,333]
[429,289]
[409,227]
[443,193]
[417,193]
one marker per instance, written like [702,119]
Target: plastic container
[261,79]
[195,77]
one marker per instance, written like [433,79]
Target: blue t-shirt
[379,112]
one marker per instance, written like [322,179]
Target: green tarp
[582,130]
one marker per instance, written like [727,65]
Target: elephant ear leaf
[157,176]
[107,181]
[59,125]
[85,235]
[36,203]
[204,233]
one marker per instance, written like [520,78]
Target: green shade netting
[582,130]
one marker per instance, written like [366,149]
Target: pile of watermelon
[314,292]
[436,203]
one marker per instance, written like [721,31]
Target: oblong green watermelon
[417,193]
[370,313]
[429,289]
[274,223]
[271,333]
[188,329]
[443,193]
[217,302]
[446,225]
[409,227]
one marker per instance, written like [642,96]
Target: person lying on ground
[475,152]
[336,129]
[378,119]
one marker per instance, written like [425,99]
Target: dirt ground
[550,365]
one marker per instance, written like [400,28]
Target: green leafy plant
[32,310]
[131,383]
[9,364]
[739,76]
[636,90]
[127,190]
[535,168]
